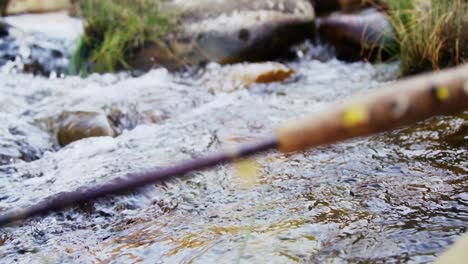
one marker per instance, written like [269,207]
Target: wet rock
[229,32]
[21,141]
[233,77]
[357,36]
[12,7]
[73,126]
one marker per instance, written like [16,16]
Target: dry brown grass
[430,34]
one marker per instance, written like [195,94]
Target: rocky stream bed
[396,197]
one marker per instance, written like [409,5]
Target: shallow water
[395,197]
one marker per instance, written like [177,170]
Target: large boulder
[226,31]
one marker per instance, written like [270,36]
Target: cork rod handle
[400,103]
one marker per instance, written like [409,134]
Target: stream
[395,197]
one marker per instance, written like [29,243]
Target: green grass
[115,29]
[430,34]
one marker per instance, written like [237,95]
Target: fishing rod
[401,103]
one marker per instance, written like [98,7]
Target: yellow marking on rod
[442,93]
[247,171]
[354,116]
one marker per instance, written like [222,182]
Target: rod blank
[131,182]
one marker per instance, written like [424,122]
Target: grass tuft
[115,29]
[430,34]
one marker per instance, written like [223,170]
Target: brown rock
[73,126]
[357,36]
[327,6]
[230,78]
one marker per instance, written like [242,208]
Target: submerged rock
[20,140]
[228,32]
[357,36]
[233,77]
[73,126]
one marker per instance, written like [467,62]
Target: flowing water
[396,197]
